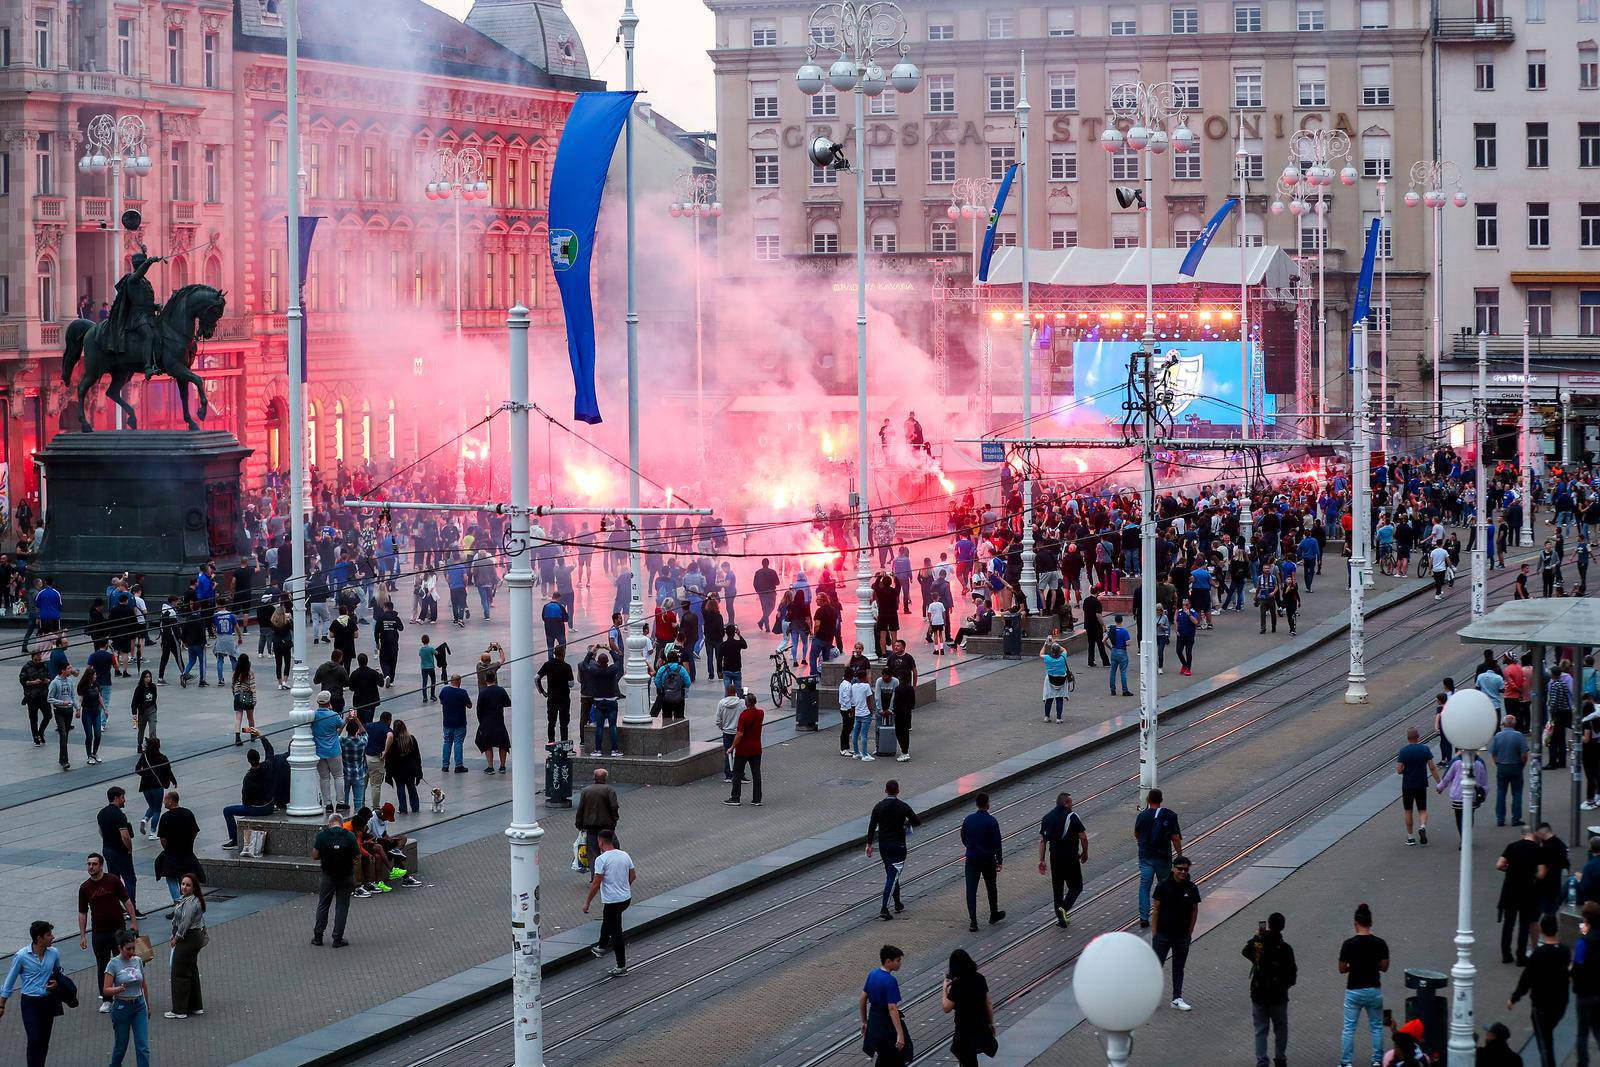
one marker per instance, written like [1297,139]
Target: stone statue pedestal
[156,502]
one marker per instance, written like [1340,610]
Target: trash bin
[1011,637]
[805,702]
[1430,1007]
[558,776]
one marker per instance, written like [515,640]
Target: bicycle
[1386,560]
[783,680]
[1424,567]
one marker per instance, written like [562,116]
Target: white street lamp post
[1030,575]
[1525,535]
[969,199]
[1429,177]
[697,199]
[115,146]
[1304,188]
[1146,110]
[1385,248]
[860,33]
[1360,527]
[458,176]
[1480,507]
[1469,721]
[1118,984]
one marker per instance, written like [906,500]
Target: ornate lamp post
[859,33]
[1468,720]
[970,199]
[1429,180]
[114,146]
[697,199]
[1118,985]
[1303,188]
[1147,111]
[458,176]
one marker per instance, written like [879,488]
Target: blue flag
[1363,301]
[308,230]
[1191,262]
[994,223]
[582,159]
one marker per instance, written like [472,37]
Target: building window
[1002,27]
[174,56]
[1124,90]
[1376,153]
[313,170]
[766,170]
[1484,146]
[1483,75]
[1125,165]
[5,294]
[881,166]
[1185,231]
[5,173]
[1488,225]
[1375,78]
[1536,69]
[1005,238]
[825,238]
[1063,22]
[212,160]
[124,47]
[1063,233]
[1002,92]
[1374,14]
[1247,87]
[1539,312]
[1588,66]
[763,35]
[369,173]
[47,290]
[1063,90]
[1385,235]
[274,168]
[1253,164]
[208,49]
[1125,230]
[941,28]
[1186,88]
[1186,165]
[942,239]
[941,94]
[1589,10]
[1589,225]
[882,104]
[1538,225]
[5,61]
[1313,86]
[1064,163]
[764,100]
[1308,16]
[767,247]
[1535,10]
[1589,312]
[178,184]
[1124,22]
[1312,233]
[274,280]
[1486,311]
[43,171]
[1538,145]
[824,176]
[341,172]
[825,35]
[1185,20]
[41,43]
[884,238]
[1589,144]
[825,105]
[1000,159]
[1247,18]
[941,166]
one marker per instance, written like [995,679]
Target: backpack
[1274,970]
[672,683]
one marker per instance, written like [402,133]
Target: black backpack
[1274,970]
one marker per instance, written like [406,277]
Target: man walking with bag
[1063,834]
[1272,972]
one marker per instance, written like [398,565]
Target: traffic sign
[993,451]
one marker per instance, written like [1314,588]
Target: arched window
[313,417]
[1185,230]
[338,431]
[47,289]
[178,272]
[825,237]
[366,432]
[389,429]
[213,275]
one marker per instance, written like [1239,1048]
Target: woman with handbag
[93,711]
[123,982]
[403,766]
[1452,779]
[966,995]
[155,778]
[188,938]
[1056,673]
[244,697]
[144,708]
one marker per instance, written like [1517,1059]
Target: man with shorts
[1414,764]
[1200,592]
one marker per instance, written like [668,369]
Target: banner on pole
[1363,302]
[308,230]
[994,223]
[1191,262]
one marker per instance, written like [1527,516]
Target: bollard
[558,776]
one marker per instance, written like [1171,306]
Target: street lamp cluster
[969,199]
[1429,179]
[859,33]
[115,146]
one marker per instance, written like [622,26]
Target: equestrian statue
[140,334]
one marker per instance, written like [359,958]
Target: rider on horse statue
[131,326]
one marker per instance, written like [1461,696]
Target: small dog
[438,800]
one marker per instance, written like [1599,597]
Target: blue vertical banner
[308,230]
[994,223]
[584,156]
[1191,262]
[1363,301]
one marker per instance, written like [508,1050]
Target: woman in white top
[123,982]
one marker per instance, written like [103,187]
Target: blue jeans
[453,737]
[1150,872]
[221,658]
[1355,1001]
[130,1015]
[1504,779]
[800,645]
[430,684]
[858,735]
[1236,594]
[605,714]
[1308,567]
[1119,663]
[92,729]
[233,811]
[197,654]
[894,858]
[152,806]
[735,679]
[485,598]
[821,654]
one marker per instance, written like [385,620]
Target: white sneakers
[1181,1004]
[869,759]
[846,752]
[904,757]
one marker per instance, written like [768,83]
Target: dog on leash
[438,800]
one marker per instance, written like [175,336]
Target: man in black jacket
[1063,835]
[256,792]
[765,583]
[1272,972]
[1544,983]
[890,818]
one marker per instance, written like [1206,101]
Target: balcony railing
[50,208]
[94,211]
[183,210]
[1465,345]
[10,336]
[1461,29]
[50,334]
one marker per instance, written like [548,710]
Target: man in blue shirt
[455,577]
[883,1030]
[980,834]
[32,973]
[1119,639]
[1310,553]
[49,604]
[453,705]
[555,617]
[1414,764]
[325,727]
[1159,837]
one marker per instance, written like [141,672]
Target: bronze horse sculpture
[189,316]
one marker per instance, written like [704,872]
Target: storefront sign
[1062,129]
